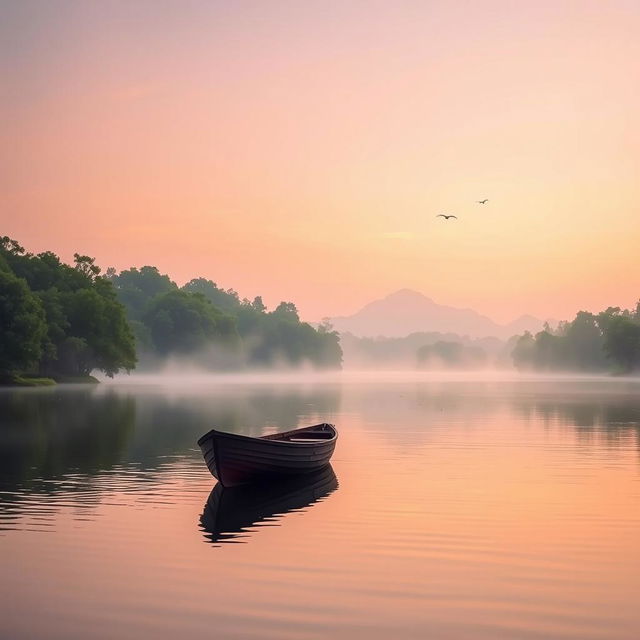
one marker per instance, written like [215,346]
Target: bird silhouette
[445,216]
[483,201]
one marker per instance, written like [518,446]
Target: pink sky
[302,150]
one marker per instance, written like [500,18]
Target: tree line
[215,328]
[425,350]
[451,355]
[606,341]
[63,321]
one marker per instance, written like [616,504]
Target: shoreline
[42,381]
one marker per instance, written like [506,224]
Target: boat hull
[236,460]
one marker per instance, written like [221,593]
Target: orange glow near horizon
[302,151]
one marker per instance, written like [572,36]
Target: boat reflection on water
[230,512]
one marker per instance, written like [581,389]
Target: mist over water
[458,505]
[176,376]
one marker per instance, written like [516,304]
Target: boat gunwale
[236,436]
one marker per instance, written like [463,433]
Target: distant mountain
[406,311]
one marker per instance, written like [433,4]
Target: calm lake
[455,508]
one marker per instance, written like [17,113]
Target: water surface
[454,508]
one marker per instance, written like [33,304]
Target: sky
[302,150]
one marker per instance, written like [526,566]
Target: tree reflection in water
[61,441]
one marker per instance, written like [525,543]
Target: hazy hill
[406,311]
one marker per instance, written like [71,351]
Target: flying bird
[483,201]
[445,216]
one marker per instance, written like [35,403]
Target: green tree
[287,311]
[4,265]
[137,287]
[86,266]
[548,352]
[22,326]
[259,306]
[328,355]
[225,300]
[523,351]
[86,326]
[622,342]
[186,323]
[584,343]
[99,336]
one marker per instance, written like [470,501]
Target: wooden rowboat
[234,459]
[231,513]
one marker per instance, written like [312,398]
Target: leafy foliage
[186,323]
[610,339]
[225,300]
[85,327]
[22,325]
[622,342]
[135,287]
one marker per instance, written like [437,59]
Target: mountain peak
[407,294]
